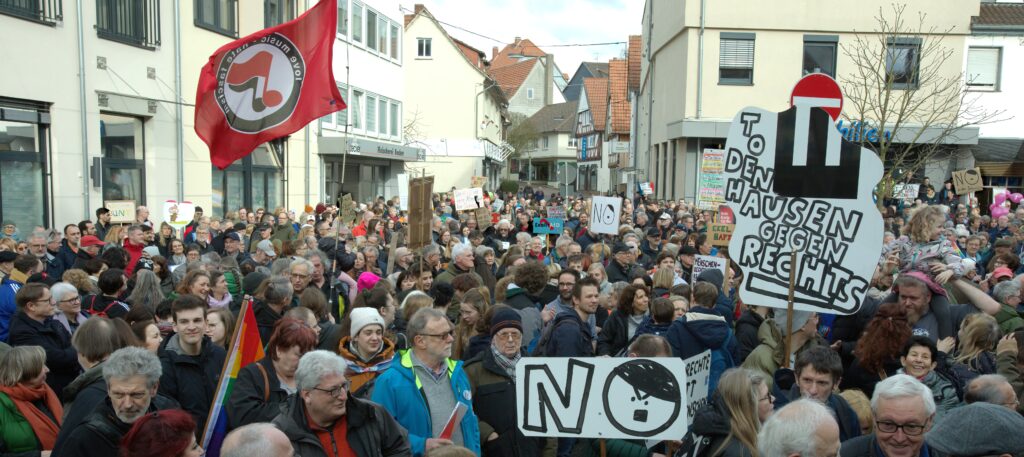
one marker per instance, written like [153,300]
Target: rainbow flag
[246,348]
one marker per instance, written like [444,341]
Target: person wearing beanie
[767,357]
[979,429]
[366,351]
[492,377]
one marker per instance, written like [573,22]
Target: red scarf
[44,427]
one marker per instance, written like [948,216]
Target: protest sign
[905,192]
[725,215]
[604,215]
[707,262]
[483,218]
[178,214]
[720,234]
[556,212]
[348,209]
[420,211]
[711,188]
[547,225]
[698,377]
[797,186]
[477,181]
[646,188]
[403,191]
[967,181]
[468,199]
[602,397]
[121,211]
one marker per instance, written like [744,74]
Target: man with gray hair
[991,388]
[323,411]
[132,375]
[462,262]
[257,440]
[300,272]
[1007,293]
[802,428]
[903,410]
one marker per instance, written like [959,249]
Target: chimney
[549,72]
[516,43]
[494,52]
[417,8]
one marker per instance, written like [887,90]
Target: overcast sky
[545,22]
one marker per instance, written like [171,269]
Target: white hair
[902,386]
[461,249]
[250,441]
[791,430]
[314,365]
[523,236]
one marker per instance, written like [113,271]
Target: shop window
[23,148]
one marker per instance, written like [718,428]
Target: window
[217,16]
[573,142]
[736,58]
[820,54]
[544,142]
[983,68]
[394,41]
[394,119]
[357,109]
[901,62]
[122,142]
[342,116]
[343,17]
[276,12]
[529,93]
[23,148]
[357,22]
[423,47]
[382,116]
[250,182]
[382,35]
[134,22]
[371,113]
[44,11]
[371,29]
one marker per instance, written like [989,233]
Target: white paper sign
[178,214]
[795,184]
[698,378]
[604,215]
[707,262]
[469,199]
[603,397]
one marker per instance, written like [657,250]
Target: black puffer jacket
[371,431]
[253,397]
[83,396]
[191,381]
[709,434]
[614,335]
[746,333]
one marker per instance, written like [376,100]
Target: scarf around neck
[42,425]
[507,364]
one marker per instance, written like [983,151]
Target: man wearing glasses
[424,386]
[904,410]
[322,419]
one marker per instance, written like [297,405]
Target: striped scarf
[507,364]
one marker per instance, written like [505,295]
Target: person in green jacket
[30,412]
[1007,293]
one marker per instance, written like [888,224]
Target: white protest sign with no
[604,215]
[468,199]
[604,397]
[708,262]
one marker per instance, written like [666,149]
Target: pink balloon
[1000,198]
[999,212]
[1016,197]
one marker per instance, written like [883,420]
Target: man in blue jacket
[424,386]
[704,328]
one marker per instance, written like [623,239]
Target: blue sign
[547,225]
[860,131]
[583,149]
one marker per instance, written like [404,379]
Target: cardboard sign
[556,212]
[604,215]
[547,225]
[796,185]
[121,211]
[483,218]
[420,211]
[707,262]
[711,188]
[348,210]
[967,181]
[720,234]
[178,214]
[469,199]
[477,181]
[605,397]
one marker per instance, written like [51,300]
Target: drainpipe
[700,62]
[179,122]
[85,124]
[650,91]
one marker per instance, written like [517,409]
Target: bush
[509,185]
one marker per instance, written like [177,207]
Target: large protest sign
[708,262]
[967,181]
[469,199]
[556,212]
[606,397]
[711,188]
[604,215]
[796,185]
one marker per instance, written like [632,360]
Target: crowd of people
[114,337]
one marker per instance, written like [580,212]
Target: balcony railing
[134,22]
[48,12]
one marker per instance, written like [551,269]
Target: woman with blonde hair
[30,412]
[472,308]
[732,418]
[978,336]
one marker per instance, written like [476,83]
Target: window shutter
[736,53]
[982,66]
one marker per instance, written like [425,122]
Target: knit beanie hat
[799,319]
[506,318]
[361,317]
[366,281]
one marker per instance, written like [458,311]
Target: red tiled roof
[633,63]
[521,47]
[1000,14]
[617,98]
[597,100]
[475,56]
[510,77]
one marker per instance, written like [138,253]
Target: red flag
[268,85]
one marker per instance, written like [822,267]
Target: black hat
[620,247]
[252,281]
[688,250]
[239,226]
[233,235]
[8,256]
[653,231]
[264,226]
[506,318]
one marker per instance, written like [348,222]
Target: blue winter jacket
[395,390]
[8,308]
[699,330]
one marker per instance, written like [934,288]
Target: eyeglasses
[450,333]
[769,397]
[510,336]
[335,392]
[72,299]
[46,300]
[909,429]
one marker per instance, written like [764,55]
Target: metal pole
[179,122]
[789,308]
[85,124]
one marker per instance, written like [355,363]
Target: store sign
[368,148]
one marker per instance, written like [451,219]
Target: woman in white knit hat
[366,351]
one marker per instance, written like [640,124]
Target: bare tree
[903,81]
[521,136]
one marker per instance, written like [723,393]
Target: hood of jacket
[707,326]
[751,319]
[712,420]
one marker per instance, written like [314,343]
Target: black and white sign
[604,215]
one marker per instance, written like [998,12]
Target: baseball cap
[267,247]
[238,227]
[264,227]
[1002,272]
[233,235]
[620,247]
[90,240]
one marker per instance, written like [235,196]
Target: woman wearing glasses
[69,306]
[492,379]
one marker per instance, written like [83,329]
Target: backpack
[103,313]
[541,349]
[721,360]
